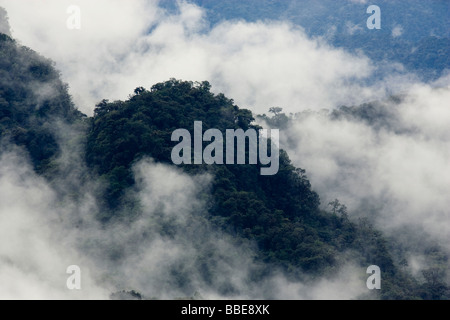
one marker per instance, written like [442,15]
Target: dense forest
[281,214]
[31,94]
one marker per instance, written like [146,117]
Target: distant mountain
[414,33]
[418,19]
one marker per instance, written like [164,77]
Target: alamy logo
[235,139]
[73,22]
[374,21]
[374,280]
[74,280]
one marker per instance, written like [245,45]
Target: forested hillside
[32,99]
[280,214]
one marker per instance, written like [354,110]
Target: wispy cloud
[395,174]
[123,45]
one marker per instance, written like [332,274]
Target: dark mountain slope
[32,97]
[280,212]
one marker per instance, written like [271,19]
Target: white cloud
[257,64]
[399,178]
[352,28]
[397,31]
[43,233]
[125,44]
[35,249]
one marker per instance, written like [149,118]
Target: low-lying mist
[393,169]
[167,250]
